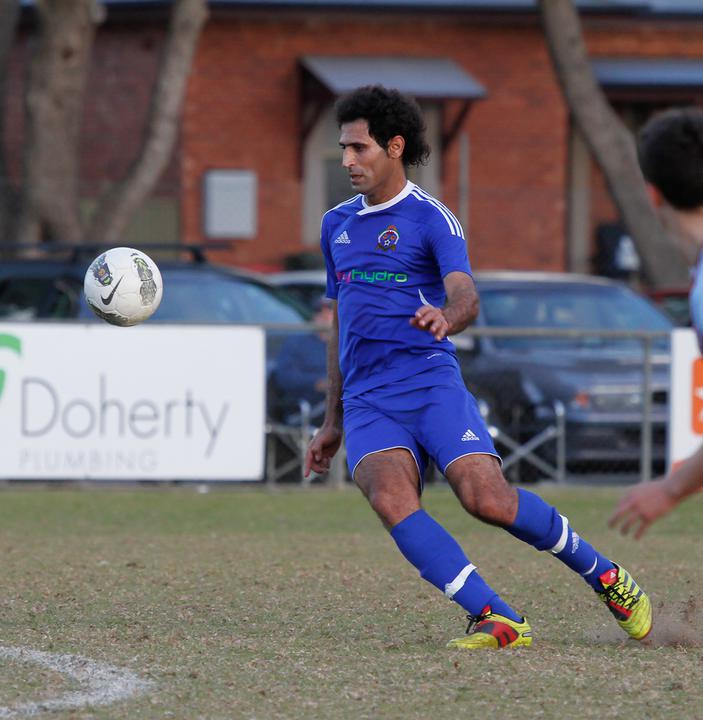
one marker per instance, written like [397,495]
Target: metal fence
[561,404]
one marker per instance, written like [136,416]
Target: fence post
[560,421]
[270,442]
[338,468]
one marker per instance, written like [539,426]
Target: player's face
[374,172]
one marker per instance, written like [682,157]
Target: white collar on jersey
[389,203]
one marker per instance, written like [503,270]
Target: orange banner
[697,399]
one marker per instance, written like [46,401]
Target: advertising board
[686,396]
[161,402]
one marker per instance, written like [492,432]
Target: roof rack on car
[87,251]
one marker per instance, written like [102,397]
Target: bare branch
[117,208]
[610,142]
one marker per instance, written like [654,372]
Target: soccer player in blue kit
[670,150]
[398,271]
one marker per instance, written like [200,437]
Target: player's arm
[459,311]
[644,504]
[333,408]
[328,438]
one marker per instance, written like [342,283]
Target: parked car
[51,288]
[195,291]
[306,286]
[598,381]
[674,302]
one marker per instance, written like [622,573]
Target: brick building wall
[242,112]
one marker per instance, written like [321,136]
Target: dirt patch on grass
[676,624]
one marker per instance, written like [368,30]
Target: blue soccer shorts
[431,414]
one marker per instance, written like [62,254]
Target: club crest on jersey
[388,239]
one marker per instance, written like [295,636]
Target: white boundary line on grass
[102,684]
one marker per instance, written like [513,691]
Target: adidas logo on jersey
[469,435]
[343,239]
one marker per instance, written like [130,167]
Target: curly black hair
[388,113]
[670,151]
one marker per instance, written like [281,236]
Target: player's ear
[396,145]
[655,197]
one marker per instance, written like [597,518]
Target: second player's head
[670,150]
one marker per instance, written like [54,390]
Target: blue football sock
[442,562]
[544,528]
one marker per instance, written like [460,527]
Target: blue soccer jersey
[383,262]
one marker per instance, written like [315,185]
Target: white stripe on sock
[564,536]
[452,588]
[593,567]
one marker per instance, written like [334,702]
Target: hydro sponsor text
[371,276]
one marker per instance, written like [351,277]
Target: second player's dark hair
[670,150]
[388,113]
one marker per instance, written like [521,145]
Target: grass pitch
[247,603]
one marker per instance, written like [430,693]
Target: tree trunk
[117,208]
[9,14]
[611,144]
[54,104]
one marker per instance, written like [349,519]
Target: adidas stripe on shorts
[431,414]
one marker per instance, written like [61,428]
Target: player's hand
[431,319]
[322,449]
[641,506]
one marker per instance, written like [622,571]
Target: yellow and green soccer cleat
[627,601]
[492,631]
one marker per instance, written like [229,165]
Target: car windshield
[306,293]
[29,297]
[214,298]
[570,306]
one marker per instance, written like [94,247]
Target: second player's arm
[459,311]
[687,479]
[645,503]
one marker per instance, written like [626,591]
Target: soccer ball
[123,286]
